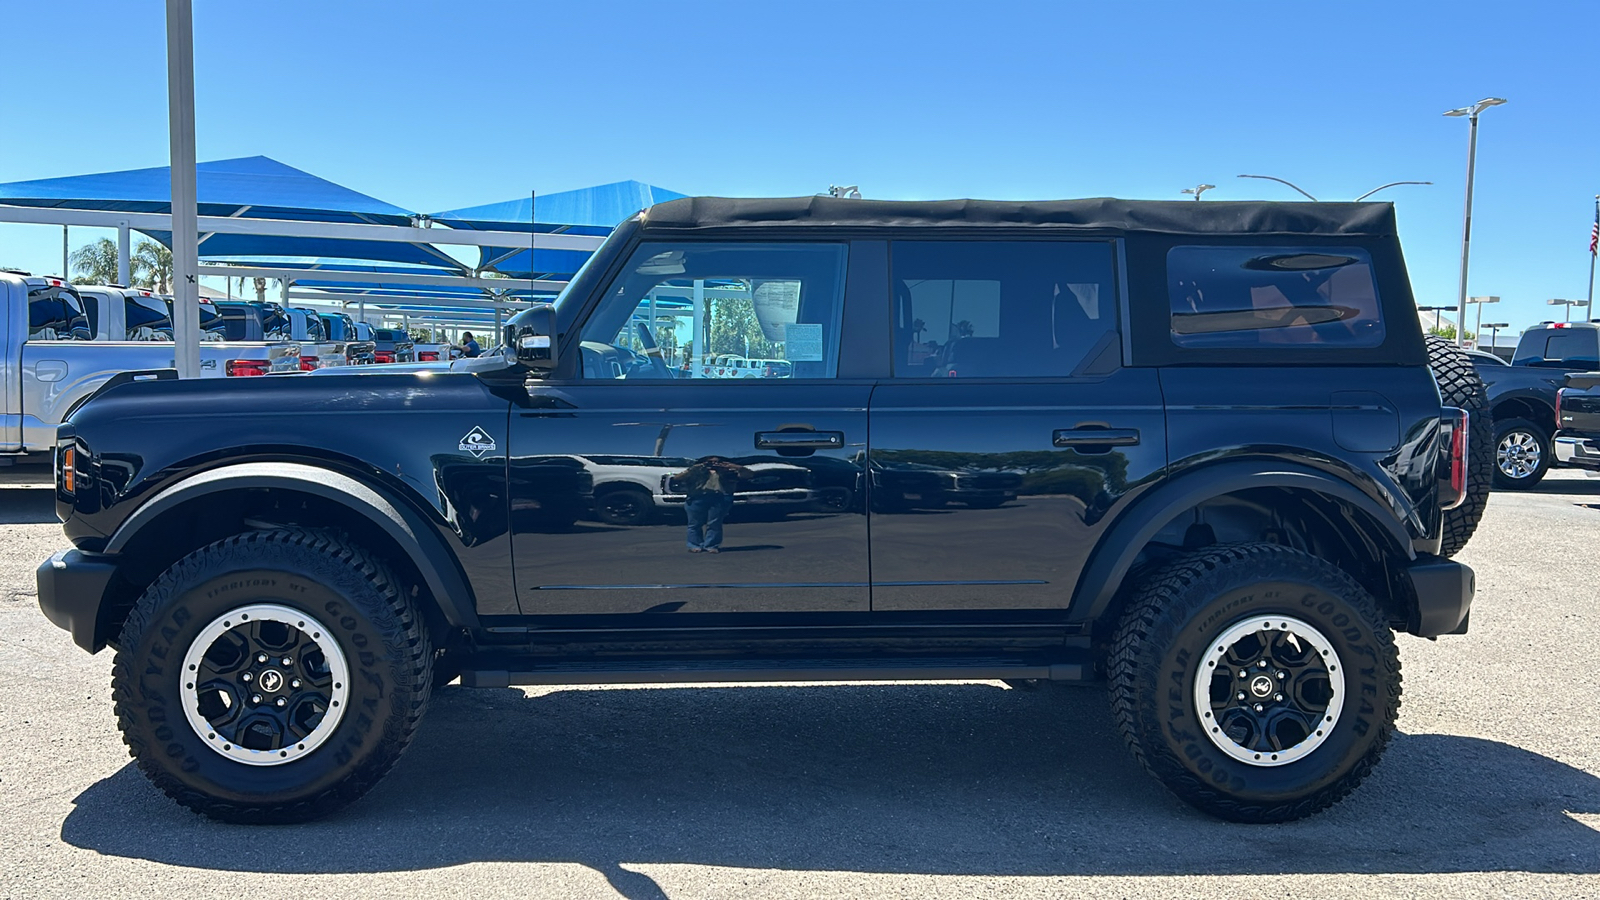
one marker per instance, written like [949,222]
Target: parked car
[1244,472]
[340,327]
[1577,442]
[1522,396]
[56,351]
[391,345]
[638,490]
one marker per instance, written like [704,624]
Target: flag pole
[1592,250]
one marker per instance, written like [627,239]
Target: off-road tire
[1460,386]
[1540,437]
[1180,609]
[377,629]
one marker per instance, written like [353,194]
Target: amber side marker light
[69,472]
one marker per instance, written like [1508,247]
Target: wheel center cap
[1261,685]
[270,681]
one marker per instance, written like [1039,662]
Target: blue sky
[433,106]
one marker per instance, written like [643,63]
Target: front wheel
[271,677]
[1521,454]
[1257,682]
[625,506]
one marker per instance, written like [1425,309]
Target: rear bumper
[72,588]
[1444,590]
[1577,451]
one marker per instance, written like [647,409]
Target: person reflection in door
[709,484]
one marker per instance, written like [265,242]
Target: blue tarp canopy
[594,210]
[254,187]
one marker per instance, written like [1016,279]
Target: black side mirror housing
[531,337]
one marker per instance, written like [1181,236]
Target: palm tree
[152,266]
[96,263]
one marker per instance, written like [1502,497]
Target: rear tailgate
[1580,405]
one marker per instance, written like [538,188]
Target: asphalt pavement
[852,791]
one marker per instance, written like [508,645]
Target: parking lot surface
[859,791]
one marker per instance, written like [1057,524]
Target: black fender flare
[400,522]
[1115,553]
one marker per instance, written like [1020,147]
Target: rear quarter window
[1234,297]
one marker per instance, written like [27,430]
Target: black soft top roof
[1099,215]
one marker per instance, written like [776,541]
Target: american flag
[1594,234]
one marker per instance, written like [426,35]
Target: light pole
[1389,185]
[1281,181]
[1479,302]
[1198,189]
[1435,310]
[1471,112]
[1494,334]
[1569,304]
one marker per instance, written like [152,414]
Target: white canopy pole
[185,212]
[124,262]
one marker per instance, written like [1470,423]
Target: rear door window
[149,318]
[55,313]
[1240,297]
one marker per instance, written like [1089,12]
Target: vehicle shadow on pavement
[27,506]
[930,779]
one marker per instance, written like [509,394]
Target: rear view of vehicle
[1577,443]
[391,345]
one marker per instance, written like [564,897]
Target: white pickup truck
[54,354]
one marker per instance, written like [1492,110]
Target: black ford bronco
[1199,451]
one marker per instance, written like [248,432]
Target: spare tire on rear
[1459,386]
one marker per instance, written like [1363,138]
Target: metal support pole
[185,225]
[1466,232]
[700,333]
[65,272]
[124,260]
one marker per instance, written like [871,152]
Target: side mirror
[531,336]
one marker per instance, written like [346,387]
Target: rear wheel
[1460,386]
[1521,454]
[271,677]
[1257,682]
[624,506]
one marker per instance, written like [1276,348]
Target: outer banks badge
[477,442]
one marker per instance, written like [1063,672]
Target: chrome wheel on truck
[1521,454]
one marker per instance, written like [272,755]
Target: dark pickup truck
[1522,396]
[1194,450]
[1577,442]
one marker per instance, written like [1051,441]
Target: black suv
[1196,450]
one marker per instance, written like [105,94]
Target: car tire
[1460,386]
[1235,608]
[625,506]
[271,677]
[1522,454]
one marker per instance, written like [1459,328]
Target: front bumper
[1577,451]
[1444,590]
[72,590]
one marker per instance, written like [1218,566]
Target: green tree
[95,263]
[152,267]
[1448,332]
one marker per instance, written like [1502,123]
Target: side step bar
[770,670]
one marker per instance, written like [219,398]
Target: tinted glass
[719,311]
[1572,345]
[56,313]
[999,309]
[1237,297]
[148,319]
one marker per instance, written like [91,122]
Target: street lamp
[1471,112]
[1389,185]
[1281,181]
[1198,189]
[1569,304]
[1479,302]
[1435,310]
[1494,333]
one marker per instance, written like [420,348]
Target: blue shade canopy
[593,210]
[255,187]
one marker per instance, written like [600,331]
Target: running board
[770,670]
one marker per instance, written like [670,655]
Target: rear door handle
[1096,437]
[799,440]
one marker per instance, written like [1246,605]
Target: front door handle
[799,440]
[1100,439]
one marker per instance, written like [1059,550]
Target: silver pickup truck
[58,346]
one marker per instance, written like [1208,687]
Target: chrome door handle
[1096,437]
[799,440]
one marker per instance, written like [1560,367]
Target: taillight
[427,356]
[383,356]
[68,476]
[1455,425]
[308,363]
[1561,397]
[247,367]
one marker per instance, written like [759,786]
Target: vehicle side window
[1571,345]
[56,314]
[148,319]
[999,309]
[707,310]
[1239,297]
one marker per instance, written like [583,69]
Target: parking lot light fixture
[1494,333]
[1479,302]
[1198,189]
[1471,112]
[1389,185]
[1289,183]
